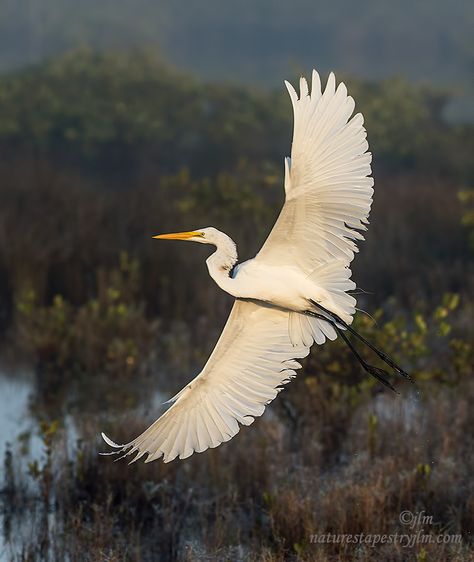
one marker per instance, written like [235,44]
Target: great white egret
[294,292]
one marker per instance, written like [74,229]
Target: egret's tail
[335,278]
[331,283]
[304,330]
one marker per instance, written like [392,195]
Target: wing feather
[252,359]
[328,188]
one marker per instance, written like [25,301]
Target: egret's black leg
[374,371]
[381,354]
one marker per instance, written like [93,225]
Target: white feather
[328,191]
[252,358]
[328,194]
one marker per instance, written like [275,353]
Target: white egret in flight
[293,293]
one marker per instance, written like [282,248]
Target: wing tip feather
[110,442]
[292,93]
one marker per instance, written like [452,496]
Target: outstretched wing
[328,191]
[252,359]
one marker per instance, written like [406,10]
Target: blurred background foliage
[100,152]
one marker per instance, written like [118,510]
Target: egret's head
[208,235]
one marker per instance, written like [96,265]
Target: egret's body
[284,286]
[295,292]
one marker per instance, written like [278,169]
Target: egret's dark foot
[377,373]
[394,366]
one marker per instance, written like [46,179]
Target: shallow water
[15,392]
[20,433]
[17,418]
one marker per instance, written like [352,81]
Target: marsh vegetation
[101,152]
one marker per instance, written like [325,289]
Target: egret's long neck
[221,262]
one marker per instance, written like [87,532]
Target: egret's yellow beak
[178,235]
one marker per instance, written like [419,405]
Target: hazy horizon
[259,42]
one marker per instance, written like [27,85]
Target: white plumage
[328,191]
[252,358]
[303,263]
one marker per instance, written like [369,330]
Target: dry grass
[262,495]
